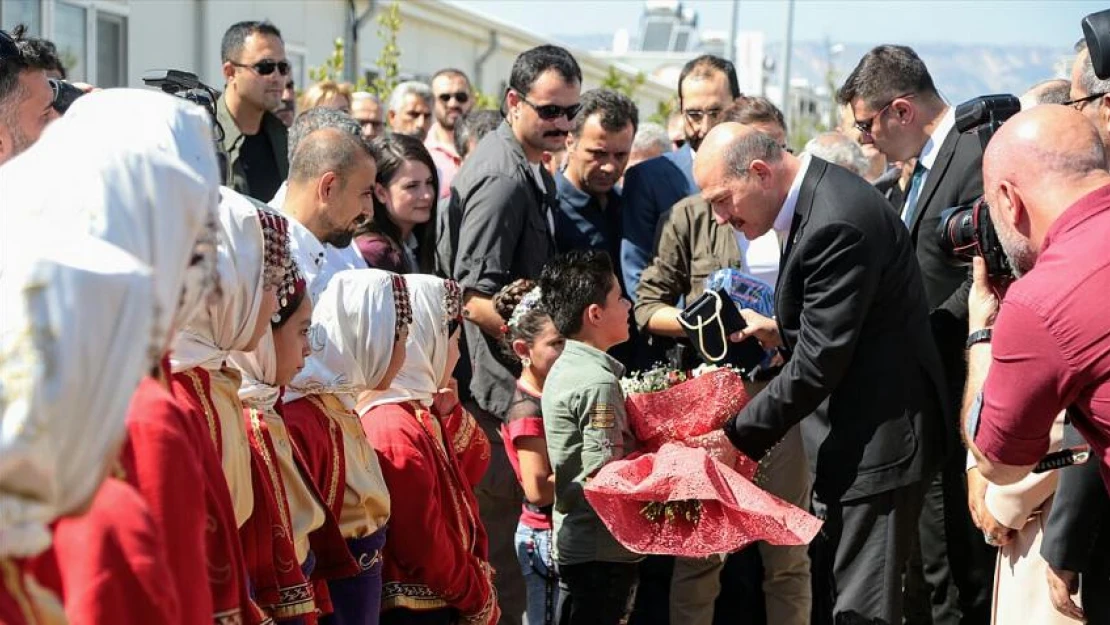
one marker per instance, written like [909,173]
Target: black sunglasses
[550,112]
[8,49]
[265,68]
[1084,100]
[461,97]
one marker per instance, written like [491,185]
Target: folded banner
[680,501]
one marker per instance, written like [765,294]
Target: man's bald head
[327,149]
[734,146]
[1037,165]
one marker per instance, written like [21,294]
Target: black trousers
[596,593]
[403,616]
[860,554]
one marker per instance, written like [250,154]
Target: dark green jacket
[233,141]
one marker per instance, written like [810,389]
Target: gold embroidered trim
[12,576]
[275,479]
[333,438]
[469,531]
[411,596]
[295,601]
[465,434]
[209,411]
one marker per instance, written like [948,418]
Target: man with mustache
[452,99]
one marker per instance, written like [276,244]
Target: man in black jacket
[852,322]
[897,108]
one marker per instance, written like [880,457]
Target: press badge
[603,417]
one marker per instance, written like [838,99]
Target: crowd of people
[340,359]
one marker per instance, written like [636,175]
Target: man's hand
[764,329]
[997,533]
[982,301]
[1062,585]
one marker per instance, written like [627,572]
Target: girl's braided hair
[519,306]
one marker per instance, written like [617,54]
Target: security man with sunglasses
[255,70]
[453,99]
[500,223]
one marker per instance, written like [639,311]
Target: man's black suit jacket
[956,178]
[861,360]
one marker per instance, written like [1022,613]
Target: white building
[113,42]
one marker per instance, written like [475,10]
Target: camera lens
[957,232]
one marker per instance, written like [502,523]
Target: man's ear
[1014,210]
[228,70]
[326,186]
[1104,113]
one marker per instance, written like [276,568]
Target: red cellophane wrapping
[733,512]
[692,413]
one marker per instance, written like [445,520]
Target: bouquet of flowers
[667,406]
[681,501]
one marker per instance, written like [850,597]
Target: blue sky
[1015,22]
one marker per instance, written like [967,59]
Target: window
[16,12]
[71,37]
[91,41]
[111,50]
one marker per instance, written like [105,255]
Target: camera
[966,231]
[65,94]
[1096,32]
[187,86]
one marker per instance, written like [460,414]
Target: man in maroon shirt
[1048,188]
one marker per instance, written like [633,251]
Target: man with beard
[287,110]
[25,94]
[410,109]
[453,99]
[255,70]
[331,189]
[500,224]
[706,86]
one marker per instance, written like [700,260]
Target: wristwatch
[978,336]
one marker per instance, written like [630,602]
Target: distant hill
[961,71]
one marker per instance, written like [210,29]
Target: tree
[389,24]
[616,81]
[663,112]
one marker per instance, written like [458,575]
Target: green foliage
[332,69]
[663,112]
[626,86]
[485,101]
[389,24]
[804,129]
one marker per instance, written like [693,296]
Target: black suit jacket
[956,178]
[861,359]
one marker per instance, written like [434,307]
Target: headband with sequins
[281,271]
[401,303]
[452,304]
[527,304]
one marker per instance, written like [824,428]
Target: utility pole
[788,50]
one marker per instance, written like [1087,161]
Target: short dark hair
[571,283]
[44,50]
[394,150]
[327,149]
[614,110]
[314,119]
[528,67]
[706,65]
[32,55]
[884,73]
[749,147]
[450,71]
[473,126]
[754,110]
[236,36]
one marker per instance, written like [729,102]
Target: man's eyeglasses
[550,112]
[864,126]
[461,97]
[265,68]
[695,116]
[1078,103]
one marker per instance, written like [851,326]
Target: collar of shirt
[936,139]
[578,199]
[595,355]
[786,214]
[306,246]
[433,144]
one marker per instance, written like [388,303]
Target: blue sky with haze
[1016,22]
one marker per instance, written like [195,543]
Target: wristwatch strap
[979,336]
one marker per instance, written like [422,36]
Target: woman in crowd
[327,94]
[401,236]
[532,339]
[436,562]
[359,327]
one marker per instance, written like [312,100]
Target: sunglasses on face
[551,112]
[461,97]
[265,68]
[864,126]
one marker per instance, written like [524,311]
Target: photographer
[1049,196]
[25,93]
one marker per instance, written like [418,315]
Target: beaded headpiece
[401,303]
[527,304]
[281,272]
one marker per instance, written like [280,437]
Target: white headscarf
[69,364]
[354,325]
[138,169]
[259,370]
[435,302]
[228,324]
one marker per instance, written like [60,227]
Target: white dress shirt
[928,157]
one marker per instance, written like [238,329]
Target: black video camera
[1096,32]
[966,231]
[187,86]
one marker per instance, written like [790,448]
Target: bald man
[862,373]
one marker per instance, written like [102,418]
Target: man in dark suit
[707,85]
[852,322]
[897,108]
